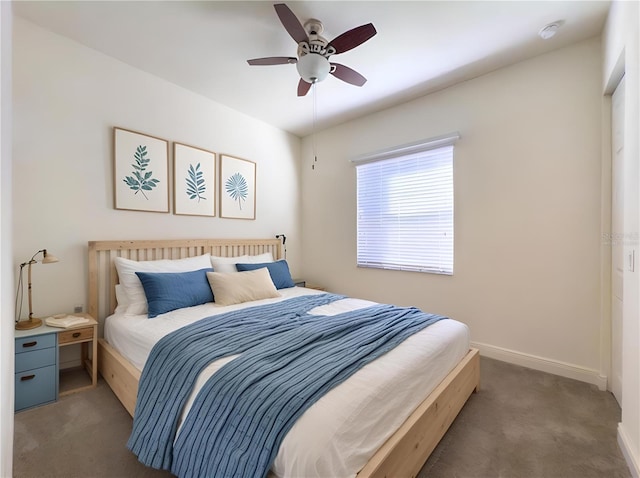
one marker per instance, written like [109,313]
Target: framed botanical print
[141,171]
[237,188]
[194,181]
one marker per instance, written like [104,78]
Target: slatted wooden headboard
[103,276]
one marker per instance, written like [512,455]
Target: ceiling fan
[314,50]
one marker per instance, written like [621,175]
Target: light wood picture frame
[237,188]
[194,181]
[141,171]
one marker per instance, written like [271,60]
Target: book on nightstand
[65,321]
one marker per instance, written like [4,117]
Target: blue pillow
[167,291]
[278,270]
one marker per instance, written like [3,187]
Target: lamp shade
[313,67]
[49,258]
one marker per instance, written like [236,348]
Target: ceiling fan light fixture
[313,67]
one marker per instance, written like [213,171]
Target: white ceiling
[421,46]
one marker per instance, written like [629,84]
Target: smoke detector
[550,30]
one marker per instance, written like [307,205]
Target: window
[405,207]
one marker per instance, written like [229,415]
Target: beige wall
[67,98]
[527,209]
[7,376]
[621,54]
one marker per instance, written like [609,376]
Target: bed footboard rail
[406,451]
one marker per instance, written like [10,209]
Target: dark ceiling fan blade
[347,74]
[352,38]
[291,23]
[273,60]
[303,87]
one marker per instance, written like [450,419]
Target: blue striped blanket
[289,360]
[177,359]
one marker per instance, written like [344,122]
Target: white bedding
[340,432]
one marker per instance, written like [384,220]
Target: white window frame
[373,250]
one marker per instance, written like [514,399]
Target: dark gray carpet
[529,424]
[523,423]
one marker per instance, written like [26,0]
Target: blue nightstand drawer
[35,387]
[35,359]
[36,369]
[35,342]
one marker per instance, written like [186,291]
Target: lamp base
[28,324]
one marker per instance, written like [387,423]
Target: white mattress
[341,431]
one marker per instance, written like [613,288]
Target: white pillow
[121,299]
[266,257]
[132,287]
[237,287]
[228,264]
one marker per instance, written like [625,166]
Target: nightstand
[87,336]
[314,286]
[38,380]
[304,283]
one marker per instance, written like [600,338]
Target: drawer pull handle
[27,377]
[30,344]
[76,335]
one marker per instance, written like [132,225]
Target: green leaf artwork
[237,189]
[141,180]
[196,186]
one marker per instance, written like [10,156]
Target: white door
[618,262]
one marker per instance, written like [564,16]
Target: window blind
[405,209]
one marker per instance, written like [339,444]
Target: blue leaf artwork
[141,180]
[236,187]
[196,185]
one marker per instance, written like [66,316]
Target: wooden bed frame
[403,454]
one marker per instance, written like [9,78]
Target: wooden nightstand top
[46,329]
[308,285]
[314,286]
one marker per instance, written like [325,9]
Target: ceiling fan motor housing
[316,44]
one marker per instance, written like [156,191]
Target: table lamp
[32,322]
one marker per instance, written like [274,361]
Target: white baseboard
[633,462]
[543,364]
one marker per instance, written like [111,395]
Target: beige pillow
[237,287]
[228,264]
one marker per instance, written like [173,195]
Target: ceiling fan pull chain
[313,126]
